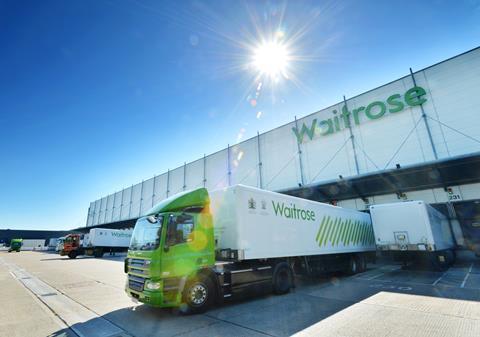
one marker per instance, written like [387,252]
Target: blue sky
[96,95]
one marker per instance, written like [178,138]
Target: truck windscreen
[146,235]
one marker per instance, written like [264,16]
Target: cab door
[181,256]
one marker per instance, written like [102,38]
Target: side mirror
[166,249]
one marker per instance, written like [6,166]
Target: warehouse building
[417,137]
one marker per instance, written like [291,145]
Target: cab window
[180,229]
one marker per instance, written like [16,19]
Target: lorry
[413,230]
[197,248]
[97,242]
[15,245]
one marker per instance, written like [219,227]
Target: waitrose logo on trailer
[375,110]
[292,211]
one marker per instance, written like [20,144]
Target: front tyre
[72,254]
[198,295]
[282,278]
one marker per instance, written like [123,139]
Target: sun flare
[271,59]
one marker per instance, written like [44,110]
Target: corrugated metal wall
[274,160]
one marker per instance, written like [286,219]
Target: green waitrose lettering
[292,212]
[375,110]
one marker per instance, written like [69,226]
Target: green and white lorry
[197,248]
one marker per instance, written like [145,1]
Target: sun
[271,59]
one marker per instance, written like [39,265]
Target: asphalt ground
[44,294]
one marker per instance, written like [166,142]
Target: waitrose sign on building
[346,119]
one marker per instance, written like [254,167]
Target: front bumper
[168,295]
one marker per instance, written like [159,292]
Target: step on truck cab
[197,248]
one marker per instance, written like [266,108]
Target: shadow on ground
[314,299]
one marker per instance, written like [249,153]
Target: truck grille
[136,283]
[137,263]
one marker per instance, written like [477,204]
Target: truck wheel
[72,254]
[361,263]
[98,252]
[198,295]
[282,278]
[352,265]
[451,257]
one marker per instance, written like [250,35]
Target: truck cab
[15,245]
[172,249]
[71,245]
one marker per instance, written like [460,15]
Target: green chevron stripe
[357,233]
[354,232]
[347,232]
[362,233]
[344,230]
[324,228]
[350,235]
[365,233]
[320,228]
[340,231]
[337,231]
[327,233]
[334,228]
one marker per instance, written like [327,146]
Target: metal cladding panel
[160,188]
[101,210]
[176,181]
[147,195]
[325,157]
[127,197]
[280,164]
[109,209]
[396,137]
[91,213]
[194,174]
[136,200]
[117,206]
[96,214]
[455,86]
[244,163]
[216,170]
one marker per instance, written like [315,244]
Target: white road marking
[438,279]
[466,276]
[84,322]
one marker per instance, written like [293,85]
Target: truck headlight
[151,285]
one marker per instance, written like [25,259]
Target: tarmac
[44,294]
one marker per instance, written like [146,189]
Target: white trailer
[103,240]
[411,229]
[33,244]
[102,237]
[259,224]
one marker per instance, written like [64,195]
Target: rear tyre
[352,265]
[282,278]
[451,257]
[98,253]
[198,295]
[362,263]
[72,254]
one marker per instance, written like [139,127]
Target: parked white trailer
[101,237]
[259,224]
[413,228]
[33,244]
